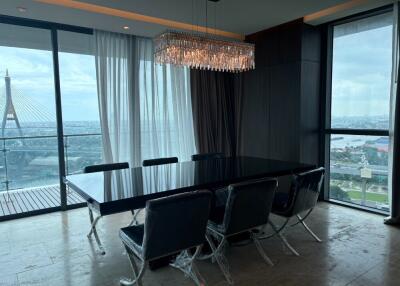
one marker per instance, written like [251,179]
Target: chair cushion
[132,237]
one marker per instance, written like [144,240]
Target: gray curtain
[394,130]
[216,106]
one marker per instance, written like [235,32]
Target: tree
[339,194]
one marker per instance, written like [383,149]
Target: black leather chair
[247,208]
[166,231]
[301,197]
[153,162]
[94,221]
[159,161]
[105,167]
[207,156]
[220,195]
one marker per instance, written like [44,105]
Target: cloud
[32,77]
[361,73]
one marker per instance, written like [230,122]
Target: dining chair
[166,231]
[301,197]
[207,156]
[94,221]
[148,163]
[159,161]
[220,194]
[105,167]
[247,208]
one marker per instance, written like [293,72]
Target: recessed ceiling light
[21,9]
[125,27]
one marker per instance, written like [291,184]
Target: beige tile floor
[52,249]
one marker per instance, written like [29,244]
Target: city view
[31,160]
[359,164]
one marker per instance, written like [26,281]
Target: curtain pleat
[145,109]
[216,101]
[117,105]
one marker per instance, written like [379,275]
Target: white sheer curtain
[165,105]
[145,109]
[119,107]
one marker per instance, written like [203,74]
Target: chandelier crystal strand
[203,52]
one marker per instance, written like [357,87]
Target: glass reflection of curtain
[119,185]
[167,177]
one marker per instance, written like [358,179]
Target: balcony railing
[27,162]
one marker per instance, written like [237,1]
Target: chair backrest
[206,156]
[248,205]
[304,191]
[160,161]
[175,223]
[105,167]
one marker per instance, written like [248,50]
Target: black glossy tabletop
[154,181]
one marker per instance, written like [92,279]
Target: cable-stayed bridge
[20,111]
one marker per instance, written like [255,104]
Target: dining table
[123,190]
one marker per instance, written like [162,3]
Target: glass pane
[29,156]
[359,170]
[2,169]
[82,141]
[82,150]
[32,162]
[361,73]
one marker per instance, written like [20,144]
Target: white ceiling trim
[140,17]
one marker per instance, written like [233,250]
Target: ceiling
[237,16]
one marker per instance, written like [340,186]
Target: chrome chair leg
[276,231]
[218,255]
[260,249]
[93,231]
[135,214]
[138,274]
[301,220]
[283,238]
[185,263]
[304,218]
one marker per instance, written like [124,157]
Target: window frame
[53,28]
[326,91]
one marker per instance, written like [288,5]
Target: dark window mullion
[366,132]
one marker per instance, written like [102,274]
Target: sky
[32,82]
[361,72]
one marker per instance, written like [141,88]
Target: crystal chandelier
[203,52]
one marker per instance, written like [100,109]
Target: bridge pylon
[9,110]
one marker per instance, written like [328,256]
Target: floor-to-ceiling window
[34,57]
[80,111]
[29,153]
[357,133]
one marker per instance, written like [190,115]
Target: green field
[381,198]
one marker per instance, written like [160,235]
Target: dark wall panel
[283,109]
[281,97]
[254,139]
[310,112]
